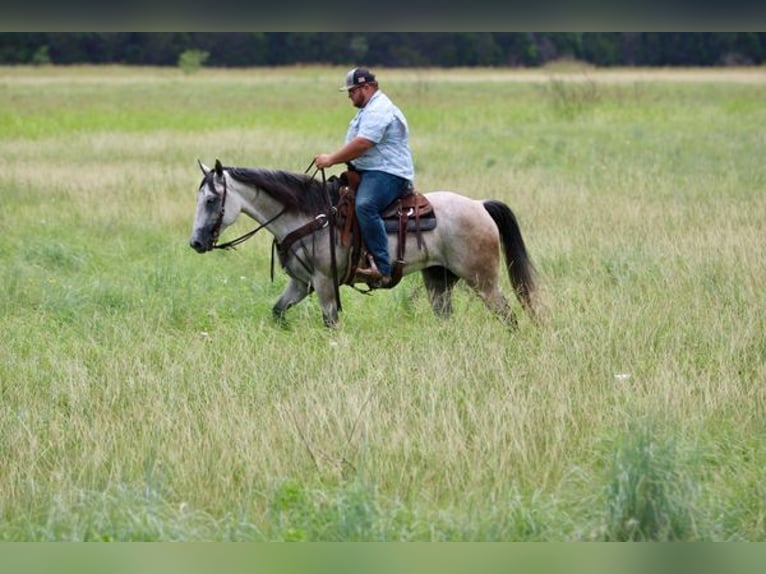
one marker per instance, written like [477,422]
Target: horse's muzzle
[198,246]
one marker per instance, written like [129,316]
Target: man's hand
[323,160]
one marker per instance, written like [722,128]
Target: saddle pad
[426,224]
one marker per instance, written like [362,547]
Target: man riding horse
[377,146]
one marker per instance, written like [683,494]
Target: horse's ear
[203,167]
[218,168]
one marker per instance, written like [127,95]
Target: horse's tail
[521,271]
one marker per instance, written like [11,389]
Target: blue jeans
[377,190]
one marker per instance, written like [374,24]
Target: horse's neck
[260,206]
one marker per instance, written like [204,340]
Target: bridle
[242,238]
[219,222]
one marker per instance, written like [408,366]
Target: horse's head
[217,208]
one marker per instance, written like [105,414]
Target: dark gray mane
[296,191]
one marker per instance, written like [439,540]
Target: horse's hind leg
[439,282]
[487,287]
[496,302]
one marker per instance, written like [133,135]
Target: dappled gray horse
[465,243]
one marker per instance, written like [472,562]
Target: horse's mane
[296,191]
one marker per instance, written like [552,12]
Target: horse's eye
[211,199]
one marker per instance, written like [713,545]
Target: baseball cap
[358,77]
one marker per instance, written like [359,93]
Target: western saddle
[411,213]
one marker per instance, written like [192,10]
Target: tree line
[390,49]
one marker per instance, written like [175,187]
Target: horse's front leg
[294,293]
[325,288]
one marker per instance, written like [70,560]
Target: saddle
[411,213]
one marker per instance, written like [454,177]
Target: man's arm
[348,152]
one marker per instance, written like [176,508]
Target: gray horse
[465,244]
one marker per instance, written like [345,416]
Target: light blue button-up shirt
[381,122]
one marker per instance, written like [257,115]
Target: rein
[242,238]
[331,223]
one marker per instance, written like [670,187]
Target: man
[377,146]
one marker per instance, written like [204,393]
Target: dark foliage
[395,49]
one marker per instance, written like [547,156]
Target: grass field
[147,395]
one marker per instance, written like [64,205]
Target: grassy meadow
[147,394]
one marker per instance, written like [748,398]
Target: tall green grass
[147,394]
